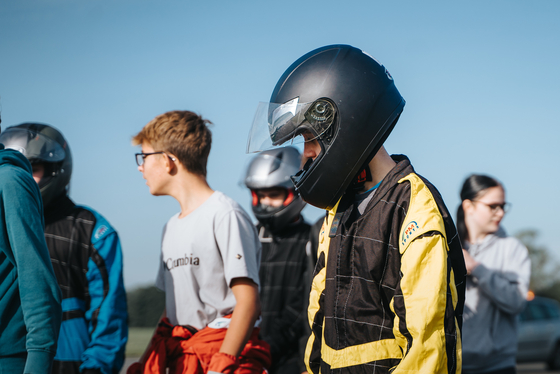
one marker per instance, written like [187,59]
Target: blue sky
[480,78]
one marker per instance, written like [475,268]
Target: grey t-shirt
[201,254]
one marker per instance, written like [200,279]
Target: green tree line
[545,270]
[145,306]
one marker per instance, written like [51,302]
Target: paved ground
[533,369]
[521,368]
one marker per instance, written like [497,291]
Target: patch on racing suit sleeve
[100,231]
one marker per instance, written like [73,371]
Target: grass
[138,338]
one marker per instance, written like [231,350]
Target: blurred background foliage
[545,270]
[146,303]
[145,306]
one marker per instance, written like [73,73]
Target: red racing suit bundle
[184,350]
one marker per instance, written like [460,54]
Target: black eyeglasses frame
[494,207]
[140,157]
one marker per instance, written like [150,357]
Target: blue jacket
[87,261]
[30,311]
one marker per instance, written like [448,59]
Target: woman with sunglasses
[498,271]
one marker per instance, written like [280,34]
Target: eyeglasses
[141,156]
[494,207]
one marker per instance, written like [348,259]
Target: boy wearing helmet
[86,257]
[284,237]
[209,261]
[29,296]
[388,289]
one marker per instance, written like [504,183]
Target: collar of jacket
[58,208]
[400,170]
[285,231]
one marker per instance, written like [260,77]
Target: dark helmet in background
[44,144]
[346,100]
[273,169]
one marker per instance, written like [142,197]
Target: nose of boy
[311,149]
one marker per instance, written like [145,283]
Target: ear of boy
[172,164]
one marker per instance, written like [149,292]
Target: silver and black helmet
[273,169]
[41,143]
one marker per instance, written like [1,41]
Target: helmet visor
[285,124]
[33,145]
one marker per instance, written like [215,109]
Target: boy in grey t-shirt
[202,254]
[210,250]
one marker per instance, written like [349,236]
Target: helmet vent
[276,163]
[320,116]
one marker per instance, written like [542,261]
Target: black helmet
[269,169]
[350,104]
[42,143]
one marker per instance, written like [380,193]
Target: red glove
[223,363]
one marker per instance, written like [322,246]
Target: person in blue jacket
[86,256]
[30,311]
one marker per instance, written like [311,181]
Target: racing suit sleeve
[38,289]
[506,288]
[424,324]
[107,313]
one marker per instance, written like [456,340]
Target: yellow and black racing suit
[388,289]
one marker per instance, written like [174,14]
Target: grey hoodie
[496,293]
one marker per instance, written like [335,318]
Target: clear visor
[32,145]
[290,123]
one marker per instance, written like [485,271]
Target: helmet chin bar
[268,215]
[51,171]
[299,175]
[277,218]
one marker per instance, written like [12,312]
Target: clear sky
[481,80]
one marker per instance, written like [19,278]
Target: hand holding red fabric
[223,363]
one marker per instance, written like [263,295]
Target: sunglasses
[494,207]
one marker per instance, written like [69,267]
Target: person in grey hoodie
[498,272]
[30,311]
